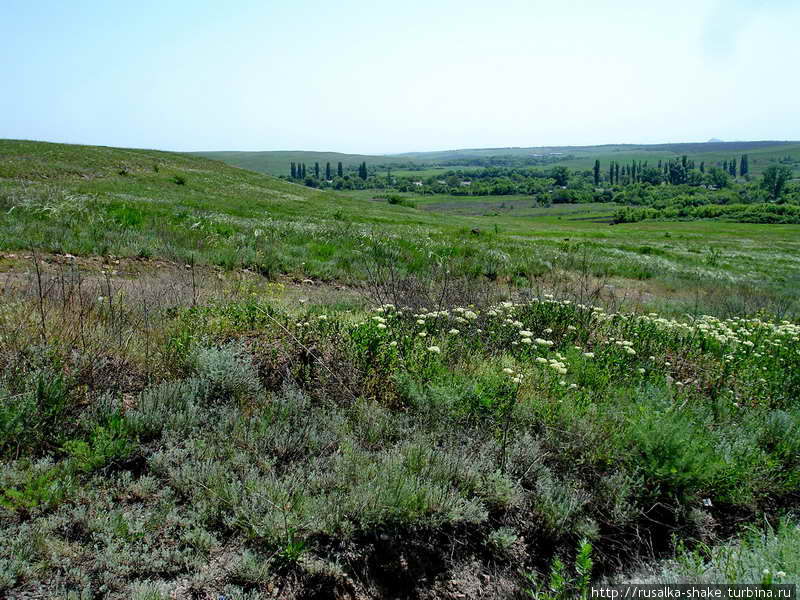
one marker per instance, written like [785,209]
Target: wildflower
[525,333]
[420,321]
[422,334]
[526,341]
[539,359]
[393,343]
[453,332]
[434,349]
[470,315]
[589,354]
[508,371]
[571,328]
[517,379]
[780,574]
[381,326]
[641,371]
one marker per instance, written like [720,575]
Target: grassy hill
[214,383]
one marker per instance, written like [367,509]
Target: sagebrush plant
[767,553]
[252,442]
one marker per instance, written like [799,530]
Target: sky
[384,77]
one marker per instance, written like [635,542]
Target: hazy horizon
[196,76]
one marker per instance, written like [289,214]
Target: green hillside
[96,201]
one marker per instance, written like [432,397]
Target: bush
[32,417]
[228,373]
[676,457]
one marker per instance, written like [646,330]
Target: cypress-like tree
[725,166]
[327,171]
[732,167]
[294,171]
[597,172]
[702,166]
[316,170]
[616,172]
[303,174]
[340,170]
[611,173]
[744,168]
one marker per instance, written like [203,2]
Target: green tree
[316,170]
[744,168]
[303,172]
[560,174]
[339,170]
[327,171]
[718,177]
[774,179]
[597,172]
[294,171]
[651,175]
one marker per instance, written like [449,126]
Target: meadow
[214,382]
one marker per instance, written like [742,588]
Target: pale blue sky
[379,77]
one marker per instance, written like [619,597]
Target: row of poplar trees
[298,170]
[672,171]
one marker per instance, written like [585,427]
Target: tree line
[299,171]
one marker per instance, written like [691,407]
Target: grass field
[217,383]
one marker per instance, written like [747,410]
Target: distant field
[277,163]
[493,206]
[759,158]
[761,154]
